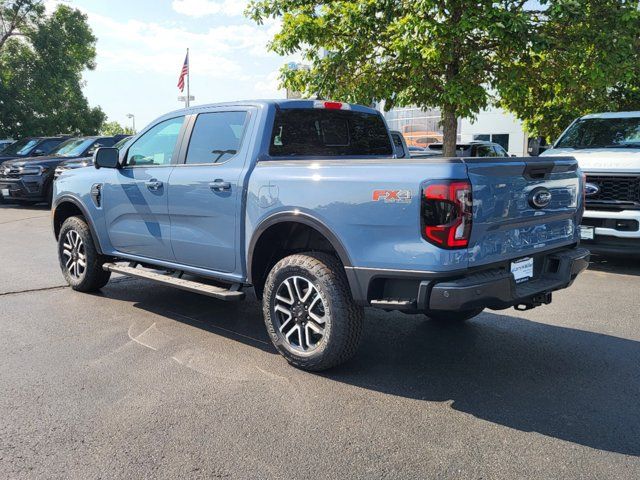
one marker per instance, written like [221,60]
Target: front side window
[328,133]
[156,146]
[216,137]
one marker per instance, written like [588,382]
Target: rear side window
[328,133]
[397,142]
[216,137]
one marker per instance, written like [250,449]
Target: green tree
[429,53]
[114,128]
[584,57]
[41,67]
[17,14]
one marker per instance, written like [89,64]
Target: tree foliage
[547,64]
[428,53]
[583,58]
[41,65]
[114,128]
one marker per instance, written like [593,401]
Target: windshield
[602,133]
[21,147]
[73,148]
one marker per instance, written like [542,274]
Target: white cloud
[144,46]
[202,8]
[269,86]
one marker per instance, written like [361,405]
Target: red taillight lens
[447,213]
[331,105]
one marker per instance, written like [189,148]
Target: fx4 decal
[392,196]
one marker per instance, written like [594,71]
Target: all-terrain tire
[75,244]
[342,318]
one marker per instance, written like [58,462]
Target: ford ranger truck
[607,147]
[305,203]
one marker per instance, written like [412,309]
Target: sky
[142,44]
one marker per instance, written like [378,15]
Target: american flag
[183,73]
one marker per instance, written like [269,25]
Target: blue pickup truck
[307,203]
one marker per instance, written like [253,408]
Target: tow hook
[535,301]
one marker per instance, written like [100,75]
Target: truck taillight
[447,213]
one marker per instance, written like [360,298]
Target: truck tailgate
[514,215]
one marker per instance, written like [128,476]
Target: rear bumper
[492,287]
[496,288]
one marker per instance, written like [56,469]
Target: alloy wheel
[300,314]
[74,255]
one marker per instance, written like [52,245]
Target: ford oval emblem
[591,189]
[540,197]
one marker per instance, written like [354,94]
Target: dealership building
[421,127]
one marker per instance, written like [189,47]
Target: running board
[393,304]
[230,295]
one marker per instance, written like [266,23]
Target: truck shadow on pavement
[577,386]
[613,264]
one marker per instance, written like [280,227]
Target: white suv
[607,147]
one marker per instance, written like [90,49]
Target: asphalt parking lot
[143,381]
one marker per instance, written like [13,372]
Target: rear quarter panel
[340,195]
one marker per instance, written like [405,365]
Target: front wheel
[309,312]
[80,262]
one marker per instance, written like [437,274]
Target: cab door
[135,197]
[206,191]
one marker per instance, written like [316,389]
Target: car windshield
[21,147]
[602,133]
[73,148]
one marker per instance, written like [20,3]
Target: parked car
[476,148]
[413,149]
[31,147]
[74,163]
[607,147]
[304,202]
[30,180]
[5,143]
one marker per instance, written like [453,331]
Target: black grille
[615,191]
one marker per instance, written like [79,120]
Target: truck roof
[613,115]
[280,103]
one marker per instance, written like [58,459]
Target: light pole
[133,121]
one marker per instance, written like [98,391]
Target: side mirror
[106,157]
[533,147]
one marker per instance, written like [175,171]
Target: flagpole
[188,101]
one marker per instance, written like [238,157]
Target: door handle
[219,185]
[153,184]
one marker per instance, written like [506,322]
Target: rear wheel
[80,262]
[309,312]
[454,317]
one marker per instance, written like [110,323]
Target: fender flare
[295,217]
[85,213]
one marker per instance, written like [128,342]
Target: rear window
[328,133]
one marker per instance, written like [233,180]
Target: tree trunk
[450,130]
